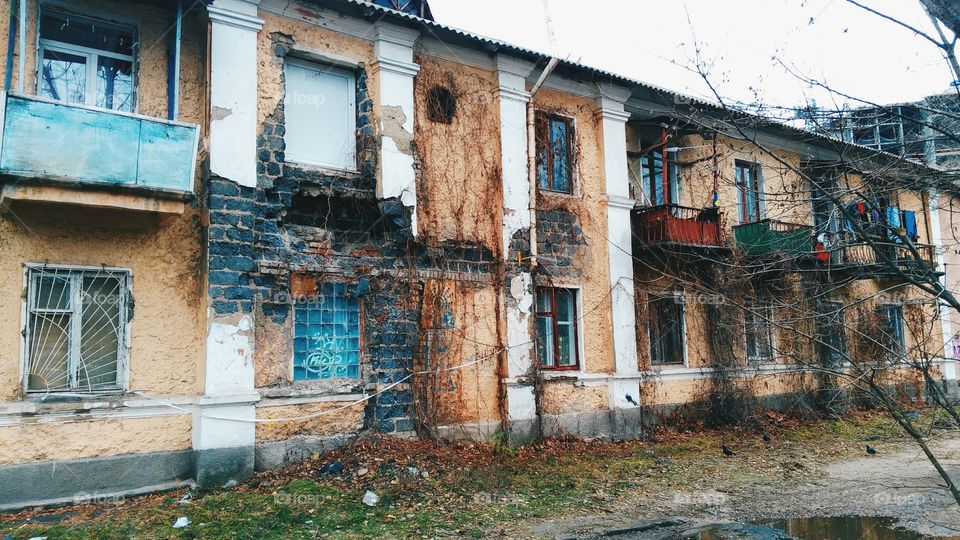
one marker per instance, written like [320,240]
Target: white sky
[855,52]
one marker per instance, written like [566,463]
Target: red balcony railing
[674,224]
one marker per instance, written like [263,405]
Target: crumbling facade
[343,218]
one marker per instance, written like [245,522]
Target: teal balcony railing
[77,144]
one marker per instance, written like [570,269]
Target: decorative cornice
[389,65]
[513,66]
[613,114]
[617,201]
[235,19]
[398,35]
[506,92]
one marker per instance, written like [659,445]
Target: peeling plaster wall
[93,438]
[588,262]
[168,327]
[571,237]
[336,417]
[459,162]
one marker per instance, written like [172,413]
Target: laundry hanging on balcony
[894,223]
[910,225]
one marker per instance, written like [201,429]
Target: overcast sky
[831,40]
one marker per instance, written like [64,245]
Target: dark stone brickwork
[559,238]
[318,222]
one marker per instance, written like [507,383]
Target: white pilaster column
[396,69]
[936,238]
[233,90]
[513,98]
[223,424]
[619,246]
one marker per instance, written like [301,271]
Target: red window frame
[575,349]
[666,172]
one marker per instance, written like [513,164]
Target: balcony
[64,153]
[670,224]
[770,237]
[865,260]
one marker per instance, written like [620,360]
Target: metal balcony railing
[876,258]
[675,224]
[770,236]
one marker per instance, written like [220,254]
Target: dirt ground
[898,482]
[556,488]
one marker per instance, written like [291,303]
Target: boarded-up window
[76,328]
[320,115]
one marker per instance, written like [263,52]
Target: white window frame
[123,356]
[761,190]
[92,56]
[326,68]
[679,297]
[759,304]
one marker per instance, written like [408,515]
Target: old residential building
[239,232]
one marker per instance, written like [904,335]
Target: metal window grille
[326,341]
[76,331]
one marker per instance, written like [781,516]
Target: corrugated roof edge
[490,45]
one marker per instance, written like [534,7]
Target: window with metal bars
[557,340]
[666,328]
[555,146]
[326,340]
[76,329]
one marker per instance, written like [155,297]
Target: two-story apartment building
[240,232]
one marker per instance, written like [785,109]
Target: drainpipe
[23,45]
[532,158]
